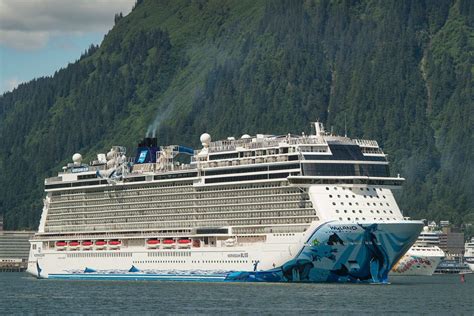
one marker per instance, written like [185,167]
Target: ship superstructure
[469,253]
[260,208]
[423,257]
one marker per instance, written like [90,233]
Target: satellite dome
[426,229]
[205,139]
[77,158]
[246,136]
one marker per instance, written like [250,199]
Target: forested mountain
[400,72]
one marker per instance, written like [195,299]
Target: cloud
[27,25]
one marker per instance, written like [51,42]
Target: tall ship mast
[290,208]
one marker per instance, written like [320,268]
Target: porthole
[353,211]
[353,196]
[337,211]
[338,196]
[383,196]
[327,188]
[333,203]
[357,203]
[391,212]
[360,211]
[330,195]
[347,196]
[342,203]
[388,204]
[335,188]
[345,211]
[350,203]
[378,211]
[365,196]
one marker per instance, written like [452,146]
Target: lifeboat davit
[153,243]
[114,244]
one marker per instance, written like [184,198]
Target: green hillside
[400,72]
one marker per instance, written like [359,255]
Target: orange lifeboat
[60,245]
[100,244]
[87,244]
[74,244]
[168,243]
[153,243]
[114,244]
[184,242]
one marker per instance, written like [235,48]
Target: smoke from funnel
[155,125]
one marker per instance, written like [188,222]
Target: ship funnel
[146,150]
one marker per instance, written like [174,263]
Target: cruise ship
[423,257]
[469,254]
[289,208]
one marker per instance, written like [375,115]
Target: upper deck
[320,155]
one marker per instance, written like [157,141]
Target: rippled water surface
[20,294]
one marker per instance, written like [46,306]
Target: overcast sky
[38,37]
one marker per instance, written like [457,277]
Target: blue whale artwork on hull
[341,253]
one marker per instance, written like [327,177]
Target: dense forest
[400,72]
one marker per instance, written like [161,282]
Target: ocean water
[439,294]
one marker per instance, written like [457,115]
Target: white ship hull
[331,252]
[419,261]
[470,263]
